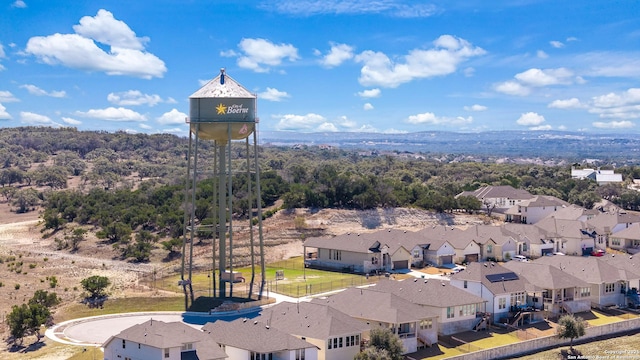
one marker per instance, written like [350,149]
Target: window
[416,253]
[585,292]
[465,284]
[259,356]
[335,254]
[335,343]
[124,344]
[300,354]
[502,303]
[139,346]
[426,324]
[357,339]
[609,288]
[187,346]
[489,248]
[451,312]
[166,353]
[329,343]
[466,310]
[524,247]
[615,241]
[340,342]
[518,298]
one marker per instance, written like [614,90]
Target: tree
[26,320]
[96,285]
[76,237]
[383,345]
[45,298]
[25,200]
[571,327]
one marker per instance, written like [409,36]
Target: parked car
[520,258]
[598,252]
[456,269]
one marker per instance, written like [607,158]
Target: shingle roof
[544,200]
[162,335]
[253,335]
[533,233]
[477,272]
[484,233]
[311,320]
[574,229]
[587,268]
[631,233]
[630,263]
[368,304]
[428,292]
[353,242]
[604,222]
[571,212]
[544,276]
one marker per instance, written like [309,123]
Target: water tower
[220,112]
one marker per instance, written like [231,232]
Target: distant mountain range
[623,149]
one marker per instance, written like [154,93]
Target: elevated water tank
[222,110]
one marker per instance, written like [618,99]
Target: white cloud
[556,44]
[541,54]
[133,98]
[512,88]
[431,119]
[7,96]
[260,54]
[347,123]
[2,53]
[572,38]
[145,126]
[113,114]
[572,103]
[371,93]
[443,59]
[624,105]
[4,115]
[71,121]
[34,90]
[393,8]
[79,50]
[327,127]
[546,77]
[172,117]
[273,95]
[174,131]
[367,106]
[302,123]
[530,119]
[475,107]
[338,54]
[631,96]
[610,64]
[30,118]
[19,4]
[613,125]
[541,127]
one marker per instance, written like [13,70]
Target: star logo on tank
[221,109]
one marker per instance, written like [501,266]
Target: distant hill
[622,148]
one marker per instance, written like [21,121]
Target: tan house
[336,334]
[415,325]
[458,310]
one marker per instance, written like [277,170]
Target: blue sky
[323,66]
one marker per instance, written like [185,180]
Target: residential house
[602,177]
[414,324]
[535,209]
[335,334]
[499,286]
[531,240]
[627,240]
[607,223]
[385,250]
[155,339]
[569,236]
[498,198]
[465,247]
[574,212]
[458,310]
[246,339]
[629,263]
[494,241]
[438,251]
[608,283]
[554,290]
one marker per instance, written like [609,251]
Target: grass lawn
[495,340]
[602,319]
[122,305]
[298,281]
